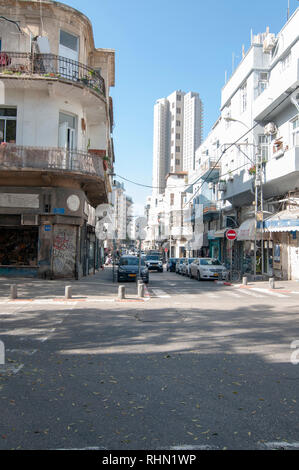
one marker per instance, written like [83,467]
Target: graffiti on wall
[64,250]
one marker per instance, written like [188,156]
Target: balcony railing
[49,159]
[24,65]
[209,169]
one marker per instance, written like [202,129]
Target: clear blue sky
[166,45]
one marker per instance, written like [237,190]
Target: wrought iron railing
[51,66]
[51,159]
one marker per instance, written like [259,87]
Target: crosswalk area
[226,293]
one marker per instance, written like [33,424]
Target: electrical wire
[216,163]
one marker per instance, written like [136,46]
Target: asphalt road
[195,366]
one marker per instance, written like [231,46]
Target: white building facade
[250,159]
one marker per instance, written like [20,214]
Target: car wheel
[198,276]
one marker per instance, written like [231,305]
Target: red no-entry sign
[231,234]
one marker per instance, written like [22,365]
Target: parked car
[185,268]
[154,262]
[170,266]
[208,268]
[128,269]
[178,265]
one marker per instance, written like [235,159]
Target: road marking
[268,292]
[10,369]
[160,293]
[26,352]
[233,294]
[251,294]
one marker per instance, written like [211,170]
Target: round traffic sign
[231,234]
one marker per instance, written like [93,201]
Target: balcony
[211,211]
[87,168]
[209,170]
[24,66]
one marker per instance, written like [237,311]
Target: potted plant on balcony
[252,170]
[105,163]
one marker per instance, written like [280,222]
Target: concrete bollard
[140,289]
[121,292]
[68,292]
[272,283]
[13,291]
[245,280]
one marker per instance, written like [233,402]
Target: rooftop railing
[25,65]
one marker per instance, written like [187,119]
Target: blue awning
[284,221]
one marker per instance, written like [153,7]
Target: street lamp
[258,188]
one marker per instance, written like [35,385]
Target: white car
[208,268]
[153,262]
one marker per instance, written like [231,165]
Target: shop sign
[47,228]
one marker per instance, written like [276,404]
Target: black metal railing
[51,66]
[50,159]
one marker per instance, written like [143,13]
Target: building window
[171,199]
[8,125]
[285,62]
[178,110]
[178,136]
[263,82]
[177,162]
[179,97]
[178,148]
[295,132]
[243,97]
[178,123]
[264,141]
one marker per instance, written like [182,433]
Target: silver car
[208,268]
[185,267]
[178,265]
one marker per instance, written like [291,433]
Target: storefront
[19,251]
[283,229]
[216,243]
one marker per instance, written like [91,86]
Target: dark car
[128,269]
[171,264]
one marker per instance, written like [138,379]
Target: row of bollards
[271,282]
[14,292]
[122,290]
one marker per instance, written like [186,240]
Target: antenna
[288,11]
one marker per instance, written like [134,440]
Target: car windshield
[210,262]
[155,257]
[190,260]
[130,262]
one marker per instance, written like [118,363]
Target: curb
[223,283]
[241,286]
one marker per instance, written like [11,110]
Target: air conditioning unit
[29,219]
[270,129]
[269,43]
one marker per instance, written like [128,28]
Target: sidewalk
[280,286]
[95,287]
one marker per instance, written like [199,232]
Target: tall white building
[177,134]
[192,136]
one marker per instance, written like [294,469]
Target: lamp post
[258,195]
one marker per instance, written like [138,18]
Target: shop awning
[283,221]
[246,230]
[220,233]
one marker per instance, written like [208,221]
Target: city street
[193,365]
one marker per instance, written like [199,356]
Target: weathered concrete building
[56,146]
